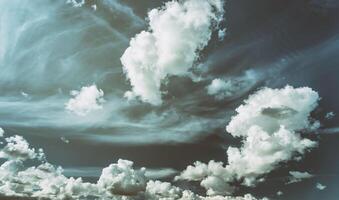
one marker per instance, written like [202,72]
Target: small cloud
[320,186]
[222,34]
[2,132]
[76,3]
[94,7]
[65,140]
[86,100]
[329,115]
[298,176]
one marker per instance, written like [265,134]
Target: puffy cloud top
[177,32]
[118,181]
[268,122]
[86,100]
[122,179]
[17,148]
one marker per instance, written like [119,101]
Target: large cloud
[268,122]
[177,32]
[118,181]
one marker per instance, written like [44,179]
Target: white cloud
[118,181]
[122,179]
[17,148]
[232,86]
[268,122]
[2,132]
[177,32]
[76,3]
[86,100]
[298,176]
[320,186]
[214,177]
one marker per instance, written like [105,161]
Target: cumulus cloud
[86,100]
[298,176]
[157,190]
[269,122]
[118,181]
[177,32]
[17,148]
[122,179]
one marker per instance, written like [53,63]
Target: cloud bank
[268,122]
[118,181]
[177,32]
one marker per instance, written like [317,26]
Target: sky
[216,99]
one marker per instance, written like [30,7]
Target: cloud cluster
[268,122]
[86,100]
[177,32]
[118,181]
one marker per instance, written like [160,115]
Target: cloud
[232,86]
[86,100]
[117,181]
[177,32]
[17,148]
[122,179]
[76,3]
[330,115]
[2,132]
[298,176]
[268,123]
[320,186]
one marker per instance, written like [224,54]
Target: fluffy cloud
[17,148]
[122,179]
[177,32]
[268,122]
[86,100]
[298,176]
[214,177]
[118,181]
